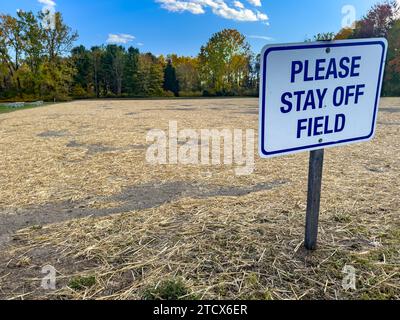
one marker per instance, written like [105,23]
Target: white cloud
[238,4]
[120,38]
[266,38]
[48,3]
[140,44]
[256,3]
[219,7]
[180,6]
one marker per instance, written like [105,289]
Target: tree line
[38,61]
[224,66]
[33,62]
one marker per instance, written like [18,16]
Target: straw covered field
[77,193]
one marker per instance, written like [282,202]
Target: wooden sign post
[314,198]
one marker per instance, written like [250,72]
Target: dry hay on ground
[116,227]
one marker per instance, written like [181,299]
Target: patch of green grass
[341,218]
[173,289]
[5,109]
[368,260]
[392,236]
[82,283]
[260,296]
[252,279]
[379,294]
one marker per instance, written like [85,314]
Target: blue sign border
[321,45]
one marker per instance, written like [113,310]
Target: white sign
[319,95]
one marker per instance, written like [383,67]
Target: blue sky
[182,26]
